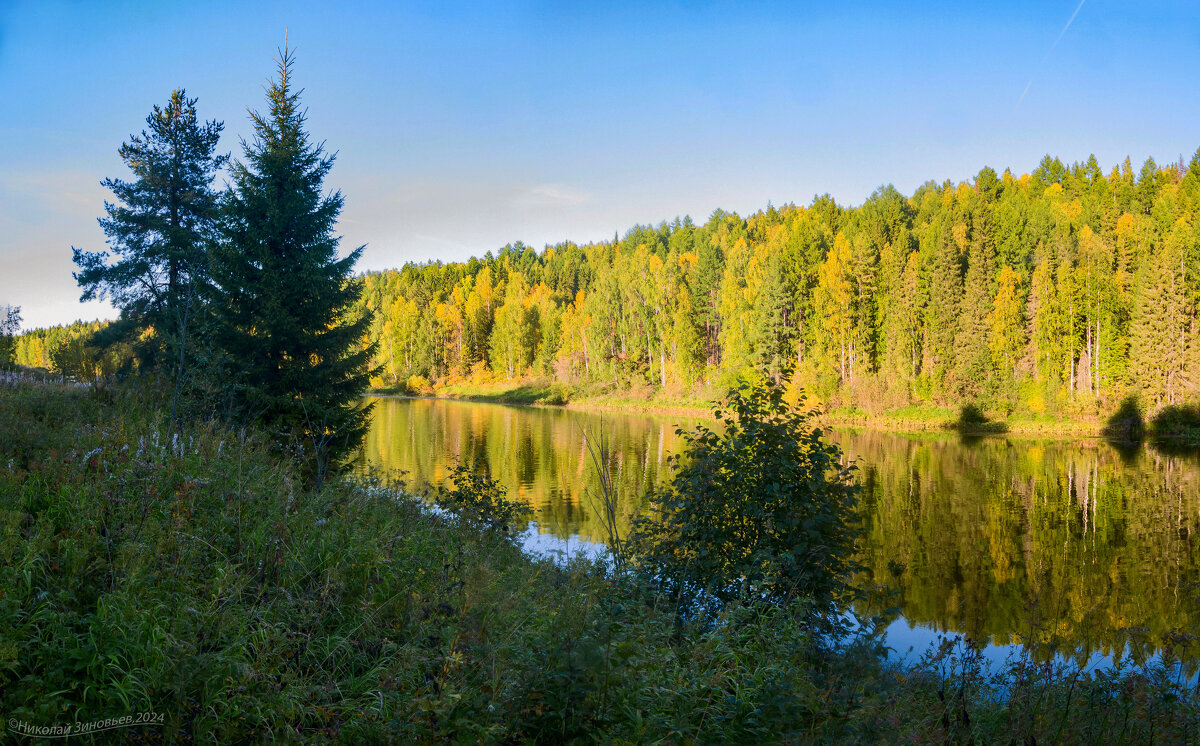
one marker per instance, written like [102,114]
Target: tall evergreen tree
[284,297]
[1162,321]
[772,353]
[973,356]
[973,363]
[945,298]
[159,229]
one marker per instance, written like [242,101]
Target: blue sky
[461,127]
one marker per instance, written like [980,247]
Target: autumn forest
[1053,292]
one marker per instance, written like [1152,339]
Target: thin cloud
[445,242]
[552,195]
[1053,46]
[1064,29]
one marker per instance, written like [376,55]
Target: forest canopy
[1051,292]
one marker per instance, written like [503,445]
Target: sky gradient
[461,129]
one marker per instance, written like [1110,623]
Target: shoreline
[938,420]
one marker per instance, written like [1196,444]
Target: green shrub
[557,394]
[971,415]
[1176,421]
[1128,422]
[479,503]
[759,508]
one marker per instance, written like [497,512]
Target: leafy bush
[760,508]
[480,503]
[1176,421]
[971,414]
[417,386]
[556,394]
[1128,422]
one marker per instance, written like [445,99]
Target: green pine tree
[1161,322]
[283,296]
[945,298]
[772,351]
[159,231]
[973,358]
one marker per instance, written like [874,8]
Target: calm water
[1077,542]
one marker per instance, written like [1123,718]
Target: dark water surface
[1079,544]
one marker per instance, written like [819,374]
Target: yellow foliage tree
[1006,321]
[833,301]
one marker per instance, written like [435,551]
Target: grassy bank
[1178,426]
[541,392]
[194,576]
[914,418]
[929,418]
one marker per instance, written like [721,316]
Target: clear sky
[461,127]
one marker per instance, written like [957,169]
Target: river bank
[195,577]
[931,503]
[543,393]
[920,418]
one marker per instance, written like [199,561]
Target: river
[1082,545]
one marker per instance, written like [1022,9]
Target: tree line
[1050,292]
[68,349]
[1054,292]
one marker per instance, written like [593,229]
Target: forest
[69,349]
[1056,293]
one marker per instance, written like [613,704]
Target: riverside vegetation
[970,532]
[197,576]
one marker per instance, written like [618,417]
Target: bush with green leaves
[480,503]
[761,507]
[1177,421]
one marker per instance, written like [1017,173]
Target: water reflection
[1070,543]
[539,455]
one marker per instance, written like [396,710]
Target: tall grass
[606,500]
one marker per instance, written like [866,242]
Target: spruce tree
[283,297]
[771,352]
[941,315]
[159,230]
[973,358]
[1161,322]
